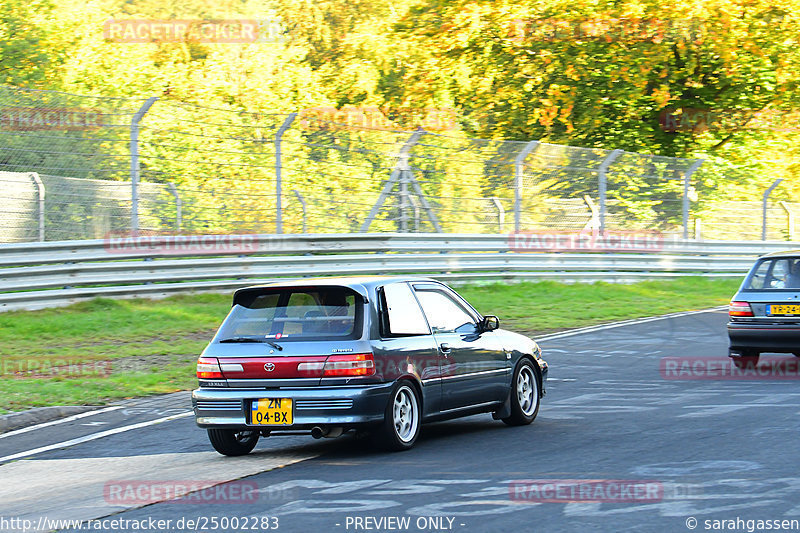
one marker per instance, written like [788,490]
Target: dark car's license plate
[271,412]
[783,310]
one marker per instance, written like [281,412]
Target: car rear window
[294,314]
[775,274]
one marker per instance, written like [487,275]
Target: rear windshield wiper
[253,339]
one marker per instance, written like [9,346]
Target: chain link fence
[81,167]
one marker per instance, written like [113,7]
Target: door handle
[444,347]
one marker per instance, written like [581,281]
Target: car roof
[361,284]
[344,281]
[784,253]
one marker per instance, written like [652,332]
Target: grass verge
[97,351]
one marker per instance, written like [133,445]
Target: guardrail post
[686,180]
[601,185]
[302,206]
[518,165]
[40,194]
[134,146]
[178,206]
[278,183]
[764,208]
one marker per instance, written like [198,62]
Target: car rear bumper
[317,406]
[765,337]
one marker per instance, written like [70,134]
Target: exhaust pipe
[330,433]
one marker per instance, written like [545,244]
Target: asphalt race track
[703,449]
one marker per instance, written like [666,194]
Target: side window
[760,275]
[444,314]
[793,277]
[403,315]
[779,273]
[776,274]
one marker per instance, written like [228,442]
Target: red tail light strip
[208,368]
[339,365]
[349,365]
[740,309]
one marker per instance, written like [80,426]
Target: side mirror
[490,323]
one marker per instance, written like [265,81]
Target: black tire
[233,442]
[745,358]
[401,421]
[525,395]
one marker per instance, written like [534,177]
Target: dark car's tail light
[740,309]
[208,368]
[349,365]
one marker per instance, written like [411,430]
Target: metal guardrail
[36,275]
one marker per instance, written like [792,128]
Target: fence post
[278,184]
[403,200]
[518,164]
[686,180]
[398,175]
[789,220]
[303,206]
[764,208]
[501,213]
[40,193]
[594,221]
[601,177]
[178,206]
[137,117]
[415,206]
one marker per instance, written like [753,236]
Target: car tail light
[740,309]
[312,370]
[349,365]
[208,368]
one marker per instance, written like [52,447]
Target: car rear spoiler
[248,293]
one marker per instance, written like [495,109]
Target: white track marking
[634,321]
[59,421]
[93,436]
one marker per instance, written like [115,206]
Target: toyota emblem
[269,367]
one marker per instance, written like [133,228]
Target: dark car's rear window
[775,274]
[294,314]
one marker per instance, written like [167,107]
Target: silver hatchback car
[765,312]
[379,355]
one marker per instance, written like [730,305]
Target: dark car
[765,312]
[378,354]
